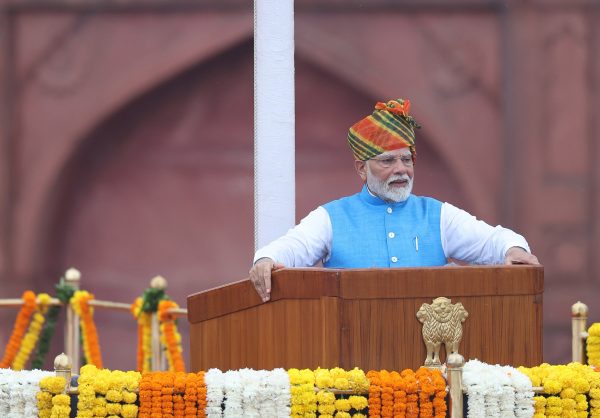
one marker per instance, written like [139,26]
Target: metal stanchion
[579,313]
[72,346]
[62,368]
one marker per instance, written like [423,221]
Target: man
[385,225]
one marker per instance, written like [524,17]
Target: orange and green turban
[389,127]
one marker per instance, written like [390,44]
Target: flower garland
[593,345]
[64,292]
[35,327]
[176,394]
[167,389]
[568,387]
[374,401]
[424,378]
[495,391]
[179,386]
[170,336]
[86,400]
[23,317]
[108,393]
[439,400]
[145,396]
[303,398]
[399,393]
[387,394]
[18,390]
[201,395]
[144,336]
[142,310]
[52,401]
[190,395]
[214,393]
[408,394]
[410,381]
[91,345]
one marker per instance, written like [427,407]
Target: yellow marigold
[552,387]
[113,395]
[129,411]
[554,410]
[99,411]
[132,380]
[113,408]
[323,378]
[358,380]
[62,399]
[129,397]
[326,409]
[581,385]
[358,402]
[44,399]
[568,403]
[553,401]
[324,396]
[342,404]
[53,384]
[61,411]
[341,383]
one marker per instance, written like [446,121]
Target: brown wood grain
[365,318]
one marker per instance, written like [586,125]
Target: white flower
[18,392]
[214,393]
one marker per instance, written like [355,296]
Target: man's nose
[399,167]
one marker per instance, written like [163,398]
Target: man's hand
[260,276]
[517,255]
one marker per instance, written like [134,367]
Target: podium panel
[365,318]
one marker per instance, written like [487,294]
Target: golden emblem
[442,324]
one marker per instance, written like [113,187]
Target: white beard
[384,191]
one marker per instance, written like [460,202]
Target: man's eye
[388,161]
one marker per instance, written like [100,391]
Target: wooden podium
[365,318]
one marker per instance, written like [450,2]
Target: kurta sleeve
[466,238]
[304,245]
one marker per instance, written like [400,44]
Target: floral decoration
[19,329]
[35,327]
[91,345]
[170,336]
[593,344]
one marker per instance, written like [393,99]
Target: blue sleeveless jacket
[368,232]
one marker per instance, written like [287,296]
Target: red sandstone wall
[126,136]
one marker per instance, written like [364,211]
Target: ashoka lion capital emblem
[442,324]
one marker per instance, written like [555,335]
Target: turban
[388,128]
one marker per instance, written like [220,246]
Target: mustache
[401,177]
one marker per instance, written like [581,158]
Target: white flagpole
[274,162]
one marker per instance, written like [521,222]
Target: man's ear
[361,169]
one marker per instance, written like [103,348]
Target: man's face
[390,175]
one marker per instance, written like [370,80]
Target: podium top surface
[398,283]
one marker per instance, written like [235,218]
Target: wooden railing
[72,341]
